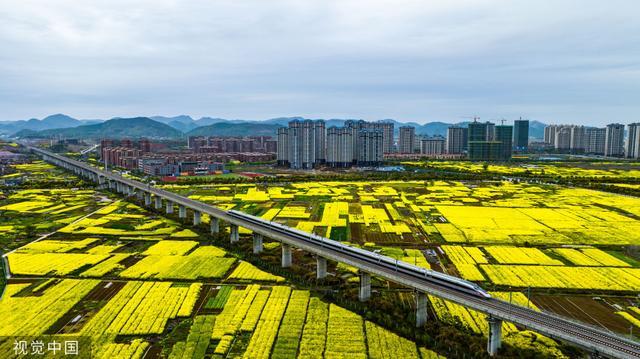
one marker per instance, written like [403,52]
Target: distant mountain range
[179,126]
[116,128]
[47,123]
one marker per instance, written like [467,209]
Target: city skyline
[404,61]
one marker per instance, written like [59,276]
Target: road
[583,335]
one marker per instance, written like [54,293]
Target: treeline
[347,177]
[48,184]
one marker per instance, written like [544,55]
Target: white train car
[399,266]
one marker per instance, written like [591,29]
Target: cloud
[556,61]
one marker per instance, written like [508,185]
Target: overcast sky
[429,60]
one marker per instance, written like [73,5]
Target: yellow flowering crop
[247,271]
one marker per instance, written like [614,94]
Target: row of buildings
[488,142]
[223,144]
[142,156]
[307,144]
[608,141]
[515,137]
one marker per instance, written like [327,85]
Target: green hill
[115,128]
[236,129]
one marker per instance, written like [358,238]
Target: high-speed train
[399,266]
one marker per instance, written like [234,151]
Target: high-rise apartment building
[105,143]
[614,140]
[485,150]
[307,148]
[562,140]
[319,141]
[521,135]
[307,144]
[354,127]
[578,142]
[339,147]
[370,144]
[504,135]
[406,139]
[385,129]
[491,131]
[283,147]
[457,139]
[633,140]
[569,138]
[432,146]
[488,142]
[144,145]
[595,141]
[481,131]
[550,134]
[126,143]
[387,136]
[302,144]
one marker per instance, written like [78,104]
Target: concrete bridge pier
[147,199]
[100,180]
[365,286]
[197,218]
[321,267]
[169,207]
[495,335]
[257,243]
[286,255]
[182,211]
[234,236]
[421,309]
[7,270]
[214,224]
[158,201]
